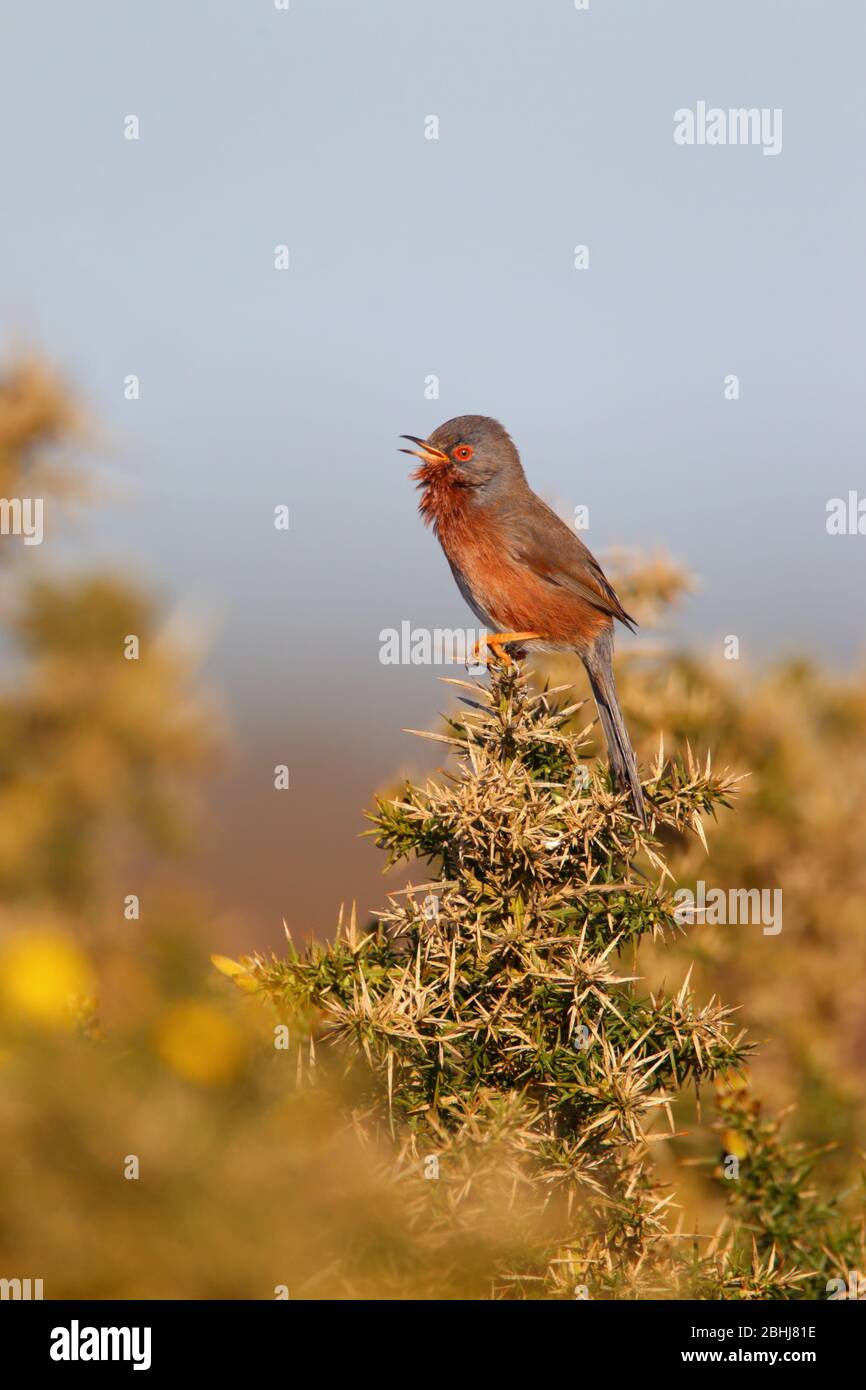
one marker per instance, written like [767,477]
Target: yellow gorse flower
[43,977]
[201,1043]
[239,974]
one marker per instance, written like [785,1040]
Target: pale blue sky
[451,257]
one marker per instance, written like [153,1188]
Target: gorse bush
[500,1037]
[487,1091]
[802,1244]
[799,728]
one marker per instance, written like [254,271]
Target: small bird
[522,571]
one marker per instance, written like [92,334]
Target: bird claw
[496,643]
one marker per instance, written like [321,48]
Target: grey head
[476,451]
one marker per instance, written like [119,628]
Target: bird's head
[470,451]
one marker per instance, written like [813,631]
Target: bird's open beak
[428,453]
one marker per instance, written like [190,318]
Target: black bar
[252,1338]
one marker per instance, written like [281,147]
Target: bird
[524,573]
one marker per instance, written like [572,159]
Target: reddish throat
[444,496]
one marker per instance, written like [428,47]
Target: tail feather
[599,666]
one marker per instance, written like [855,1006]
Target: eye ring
[463,453]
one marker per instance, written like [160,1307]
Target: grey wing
[542,541]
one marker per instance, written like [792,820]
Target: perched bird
[522,571]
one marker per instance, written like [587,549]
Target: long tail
[598,661]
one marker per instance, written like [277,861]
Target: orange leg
[496,642]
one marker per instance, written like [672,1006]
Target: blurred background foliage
[117,1041]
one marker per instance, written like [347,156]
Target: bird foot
[495,643]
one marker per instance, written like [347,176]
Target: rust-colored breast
[516,598]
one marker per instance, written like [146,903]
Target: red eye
[463,453]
